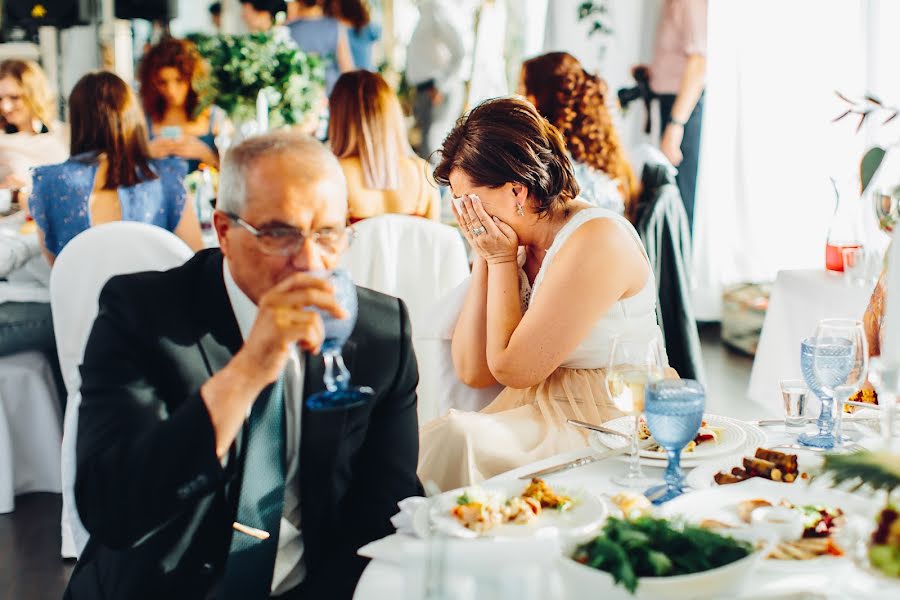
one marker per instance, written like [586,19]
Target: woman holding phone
[168,74]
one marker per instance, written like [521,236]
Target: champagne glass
[339,393]
[842,335]
[674,410]
[633,363]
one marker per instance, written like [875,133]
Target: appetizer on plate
[884,550]
[481,512]
[863,397]
[765,463]
[706,435]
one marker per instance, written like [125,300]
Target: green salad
[649,547]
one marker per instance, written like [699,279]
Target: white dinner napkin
[403,520]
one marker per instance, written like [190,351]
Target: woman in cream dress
[554,281]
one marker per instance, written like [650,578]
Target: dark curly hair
[181,55]
[506,140]
[575,102]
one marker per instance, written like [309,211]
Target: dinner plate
[731,437]
[701,477]
[586,515]
[720,503]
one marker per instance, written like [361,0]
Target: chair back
[418,261]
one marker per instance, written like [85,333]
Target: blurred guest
[544,330]
[362,33]
[574,101]
[207,476]
[31,134]
[677,78]
[111,175]
[317,33]
[434,68]
[367,134]
[215,15]
[260,15]
[169,74]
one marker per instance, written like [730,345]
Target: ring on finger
[476,231]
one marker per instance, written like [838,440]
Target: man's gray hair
[314,162]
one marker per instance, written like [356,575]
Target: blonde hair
[366,121]
[37,95]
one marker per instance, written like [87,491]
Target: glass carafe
[845,229]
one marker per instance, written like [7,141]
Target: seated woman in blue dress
[110,175]
[168,74]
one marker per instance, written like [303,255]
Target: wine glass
[674,409]
[839,364]
[633,363]
[338,393]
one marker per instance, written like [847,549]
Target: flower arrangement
[242,66]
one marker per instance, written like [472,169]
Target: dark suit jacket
[149,487]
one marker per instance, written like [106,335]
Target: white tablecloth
[799,300]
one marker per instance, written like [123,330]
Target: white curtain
[769,146]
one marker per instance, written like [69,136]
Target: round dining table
[388,575]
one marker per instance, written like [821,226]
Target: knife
[767,422]
[580,462]
[598,428]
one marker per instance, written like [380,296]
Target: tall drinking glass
[633,363]
[339,393]
[674,410]
[853,331]
[826,362]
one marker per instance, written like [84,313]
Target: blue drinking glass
[339,394]
[674,412]
[826,363]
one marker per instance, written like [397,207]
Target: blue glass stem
[341,380]
[826,416]
[674,476]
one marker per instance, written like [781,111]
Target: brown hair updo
[575,102]
[506,140]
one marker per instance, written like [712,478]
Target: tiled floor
[31,569]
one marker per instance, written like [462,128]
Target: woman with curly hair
[574,101]
[169,75]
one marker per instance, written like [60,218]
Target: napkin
[404,520]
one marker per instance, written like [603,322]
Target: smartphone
[170,132]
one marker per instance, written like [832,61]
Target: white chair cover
[30,430]
[79,274]
[418,261]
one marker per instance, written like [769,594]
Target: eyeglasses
[285,241]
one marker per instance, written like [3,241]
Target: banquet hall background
[772,156]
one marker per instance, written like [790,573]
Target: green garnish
[463,500]
[649,547]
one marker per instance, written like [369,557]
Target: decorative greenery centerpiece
[242,66]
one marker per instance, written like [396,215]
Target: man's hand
[671,143]
[437,98]
[285,318]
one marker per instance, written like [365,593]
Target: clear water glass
[633,364]
[794,393]
[339,393]
[674,410]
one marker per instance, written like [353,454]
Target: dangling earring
[520,210]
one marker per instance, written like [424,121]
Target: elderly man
[196,477]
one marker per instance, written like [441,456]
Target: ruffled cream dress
[525,425]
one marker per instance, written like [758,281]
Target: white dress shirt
[437,48]
[289,567]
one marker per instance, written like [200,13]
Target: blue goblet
[339,394]
[674,412]
[826,363]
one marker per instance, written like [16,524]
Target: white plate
[720,503]
[701,477]
[731,438]
[586,516]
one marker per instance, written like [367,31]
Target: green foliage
[869,164]
[243,65]
[876,470]
[649,547]
[597,12]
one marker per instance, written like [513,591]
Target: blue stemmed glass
[674,412]
[826,363]
[339,394]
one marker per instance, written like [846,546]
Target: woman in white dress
[554,281]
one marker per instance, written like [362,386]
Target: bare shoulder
[601,238]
